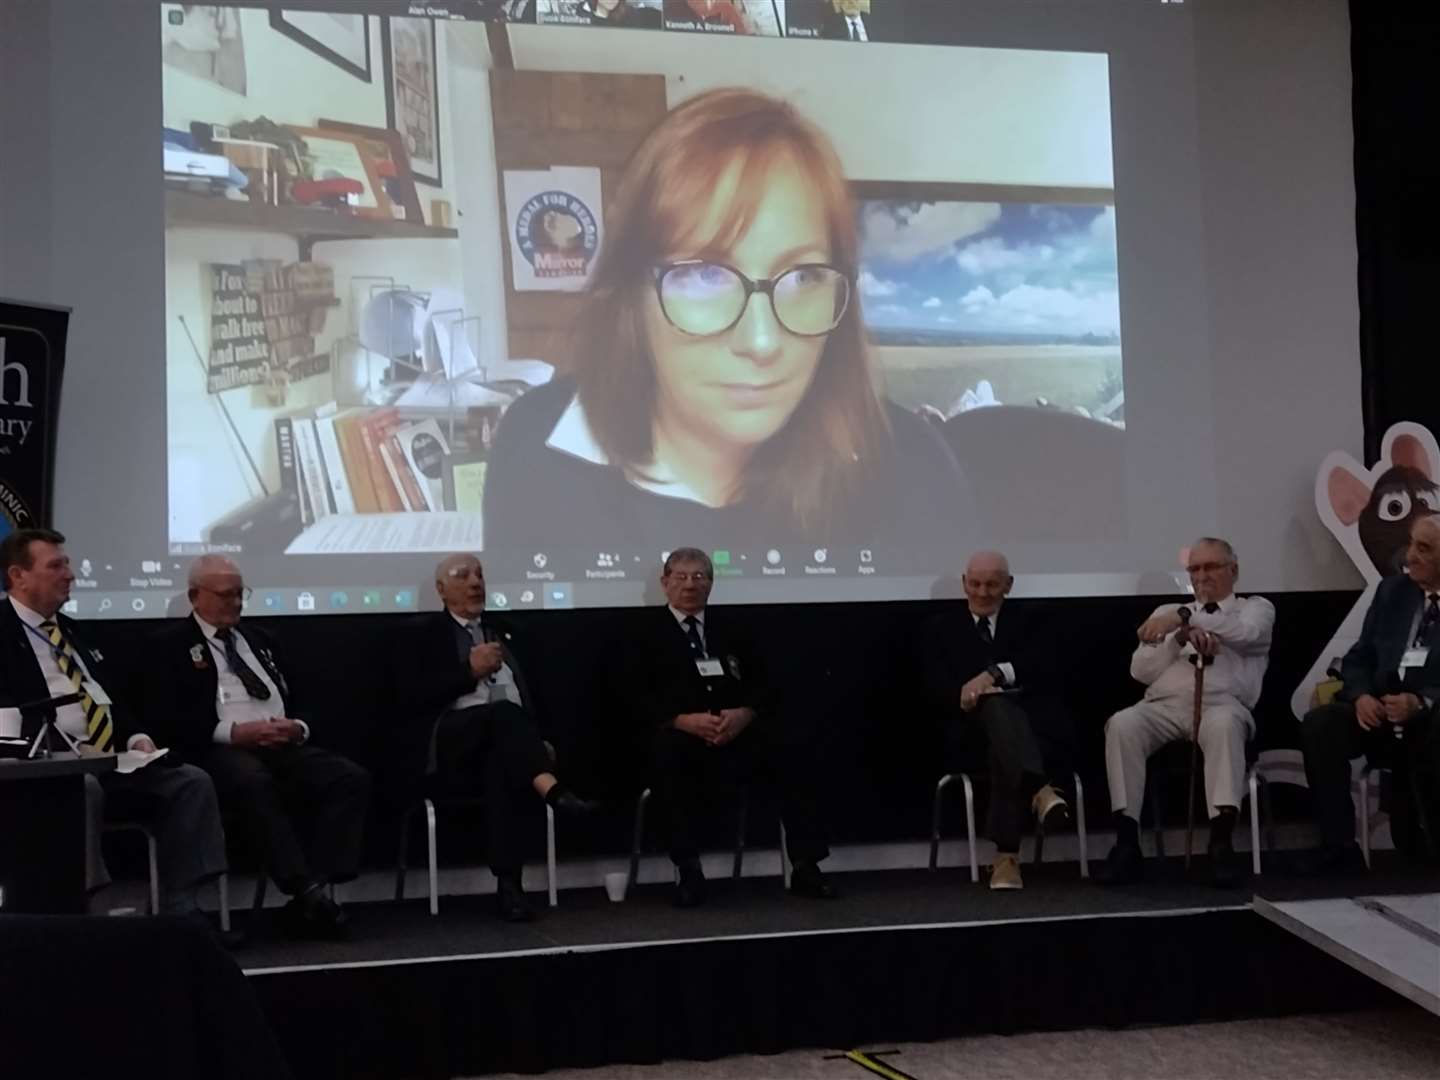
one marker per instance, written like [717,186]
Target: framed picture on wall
[412,92]
[344,40]
[342,155]
[387,150]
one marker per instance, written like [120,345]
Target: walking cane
[1200,662]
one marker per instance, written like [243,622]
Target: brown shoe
[1005,872]
[1048,801]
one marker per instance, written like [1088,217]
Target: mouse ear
[1408,450]
[1349,494]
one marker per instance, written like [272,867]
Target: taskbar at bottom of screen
[287,600]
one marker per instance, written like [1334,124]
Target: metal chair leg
[935,821]
[741,814]
[262,882]
[550,883]
[1158,825]
[222,886]
[639,836]
[1254,822]
[1365,778]
[430,851]
[1080,827]
[151,851]
[1039,843]
[402,855]
[1267,804]
[785,866]
[970,825]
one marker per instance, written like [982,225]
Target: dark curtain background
[1393,49]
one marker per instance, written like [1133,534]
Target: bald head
[987,582]
[1422,556]
[217,591]
[460,581]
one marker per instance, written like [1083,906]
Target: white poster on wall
[553,220]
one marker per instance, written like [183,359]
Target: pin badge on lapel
[197,657]
[733,663]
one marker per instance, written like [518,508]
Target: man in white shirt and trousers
[1233,632]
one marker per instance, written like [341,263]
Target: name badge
[97,693]
[709,667]
[1414,658]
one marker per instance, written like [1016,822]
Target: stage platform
[903,956]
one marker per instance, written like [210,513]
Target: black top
[1373,662]
[954,653]
[22,681]
[181,681]
[538,497]
[663,681]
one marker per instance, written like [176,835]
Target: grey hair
[689,554]
[1223,545]
[209,564]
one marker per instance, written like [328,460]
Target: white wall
[985,116]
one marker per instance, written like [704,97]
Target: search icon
[105,604]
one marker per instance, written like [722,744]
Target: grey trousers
[1133,734]
[177,803]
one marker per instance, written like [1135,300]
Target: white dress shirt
[68,718]
[699,617]
[233,703]
[855,28]
[1243,625]
[1007,668]
[499,686]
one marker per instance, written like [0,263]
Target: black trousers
[304,806]
[686,766]
[1016,749]
[1331,737]
[495,750]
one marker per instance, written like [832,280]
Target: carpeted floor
[1389,1045]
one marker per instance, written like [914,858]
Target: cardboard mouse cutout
[1370,511]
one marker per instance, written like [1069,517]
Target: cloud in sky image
[990,271]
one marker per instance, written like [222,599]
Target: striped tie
[98,727]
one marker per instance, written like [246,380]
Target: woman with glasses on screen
[722,386]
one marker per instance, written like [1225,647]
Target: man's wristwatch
[996,672]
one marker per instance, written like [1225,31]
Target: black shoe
[1125,865]
[510,900]
[227,939]
[807,880]
[571,805]
[690,889]
[314,915]
[1331,861]
[1226,868]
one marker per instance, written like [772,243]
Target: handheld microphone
[1391,683]
[30,708]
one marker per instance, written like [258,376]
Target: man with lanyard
[44,656]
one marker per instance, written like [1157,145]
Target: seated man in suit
[226,703]
[994,676]
[1231,635]
[1387,708]
[475,732]
[702,692]
[45,657]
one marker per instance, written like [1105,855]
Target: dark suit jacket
[662,680]
[22,681]
[882,23]
[181,682]
[433,669]
[1375,658]
[953,654]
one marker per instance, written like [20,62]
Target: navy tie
[982,627]
[254,685]
[1428,620]
[692,631]
[1211,608]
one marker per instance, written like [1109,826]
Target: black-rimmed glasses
[702,298]
[230,595]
